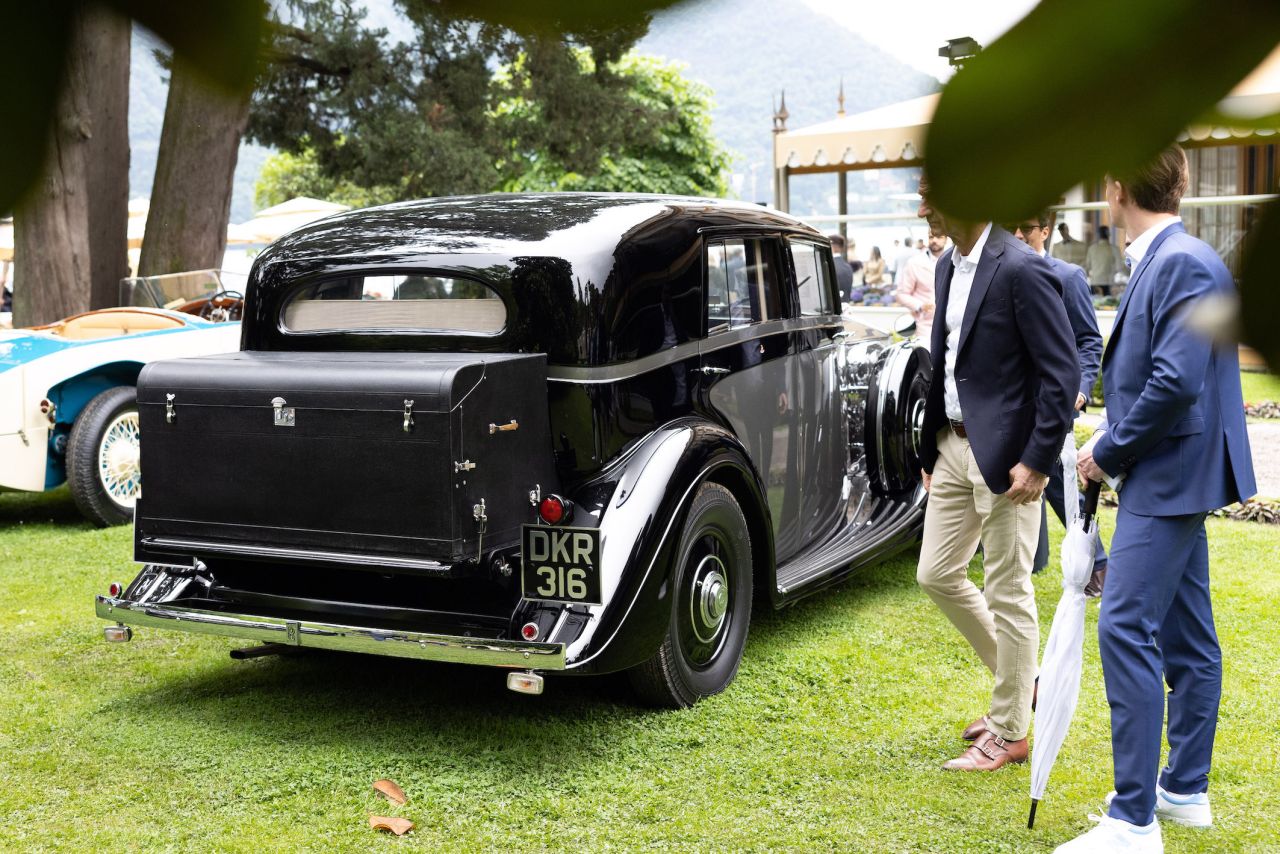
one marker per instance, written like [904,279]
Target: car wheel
[102,458]
[711,606]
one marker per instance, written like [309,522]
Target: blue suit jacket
[1016,370]
[1084,321]
[1175,412]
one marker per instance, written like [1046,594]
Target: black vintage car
[569,432]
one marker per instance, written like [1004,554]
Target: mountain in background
[747,51]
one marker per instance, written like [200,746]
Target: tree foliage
[471,106]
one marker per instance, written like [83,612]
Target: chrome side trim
[168,543]
[393,642]
[688,350]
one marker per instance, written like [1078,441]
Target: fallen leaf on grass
[398,826]
[391,791]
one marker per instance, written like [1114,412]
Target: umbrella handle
[1031,819]
[1091,495]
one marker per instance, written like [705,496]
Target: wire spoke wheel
[103,457]
[118,458]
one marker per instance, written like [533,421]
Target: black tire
[707,631]
[895,415]
[85,450]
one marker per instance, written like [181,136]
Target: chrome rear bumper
[396,642]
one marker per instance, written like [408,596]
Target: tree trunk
[191,196]
[107,35]
[51,224]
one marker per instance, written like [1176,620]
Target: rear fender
[642,503]
[70,397]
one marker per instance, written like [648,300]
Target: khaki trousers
[999,621]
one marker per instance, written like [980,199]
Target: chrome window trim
[596,374]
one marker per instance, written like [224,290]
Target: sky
[913,31]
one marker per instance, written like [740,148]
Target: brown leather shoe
[1093,590]
[975,729]
[989,753]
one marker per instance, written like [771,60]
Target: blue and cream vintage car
[568,433]
[68,411]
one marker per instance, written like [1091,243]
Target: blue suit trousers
[1156,627]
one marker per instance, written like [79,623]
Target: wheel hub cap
[710,598]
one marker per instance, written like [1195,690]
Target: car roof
[515,224]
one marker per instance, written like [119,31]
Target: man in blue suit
[1084,327]
[1176,433]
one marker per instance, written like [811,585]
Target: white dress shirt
[957,300]
[1137,250]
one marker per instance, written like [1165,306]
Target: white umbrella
[1060,665]
[278,220]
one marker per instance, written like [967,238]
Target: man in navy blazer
[1084,326]
[999,406]
[1176,432]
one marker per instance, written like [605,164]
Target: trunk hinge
[169,413]
[465,465]
[408,415]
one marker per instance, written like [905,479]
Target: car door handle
[711,372]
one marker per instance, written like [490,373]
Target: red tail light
[555,510]
[115,590]
[529,631]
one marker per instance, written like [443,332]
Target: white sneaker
[1186,810]
[1115,835]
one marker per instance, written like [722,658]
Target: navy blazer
[1084,321]
[1016,369]
[1175,411]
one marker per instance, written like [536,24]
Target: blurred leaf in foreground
[38,34]
[221,40]
[1080,87]
[558,16]
[1259,295]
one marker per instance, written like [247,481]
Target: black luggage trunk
[388,460]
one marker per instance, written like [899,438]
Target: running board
[892,525]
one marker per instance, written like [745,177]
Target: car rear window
[412,302]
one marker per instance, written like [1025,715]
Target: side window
[742,283]
[812,282]
[717,288]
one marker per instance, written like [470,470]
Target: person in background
[1084,328]
[920,245]
[1004,379]
[915,285]
[1102,261]
[1068,248]
[903,255]
[873,273]
[844,272]
[1176,433]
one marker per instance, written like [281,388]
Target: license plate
[560,564]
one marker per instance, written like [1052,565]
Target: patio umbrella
[1060,665]
[276,221]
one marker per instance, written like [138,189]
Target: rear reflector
[527,682]
[118,634]
[529,631]
[115,589]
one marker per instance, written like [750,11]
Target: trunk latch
[465,465]
[408,415]
[168,409]
[284,416]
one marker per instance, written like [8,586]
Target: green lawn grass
[1259,387]
[830,739]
